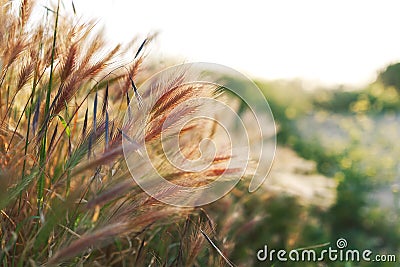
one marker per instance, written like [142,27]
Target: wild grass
[66,196]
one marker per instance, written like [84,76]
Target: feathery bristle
[53,136]
[85,123]
[106,132]
[95,112]
[128,106]
[105,101]
[228,261]
[136,93]
[140,48]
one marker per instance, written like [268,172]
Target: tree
[391,76]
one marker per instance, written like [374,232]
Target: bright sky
[332,42]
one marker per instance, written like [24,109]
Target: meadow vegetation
[66,195]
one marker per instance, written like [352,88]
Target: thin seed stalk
[30,111]
[46,114]
[27,135]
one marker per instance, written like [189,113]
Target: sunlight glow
[330,42]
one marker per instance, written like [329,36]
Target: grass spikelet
[84,242]
[110,194]
[24,76]
[13,52]
[25,12]
[103,235]
[70,63]
[133,71]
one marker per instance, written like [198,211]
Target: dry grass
[65,192]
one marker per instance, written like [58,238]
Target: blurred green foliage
[391,76]
[351,135]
